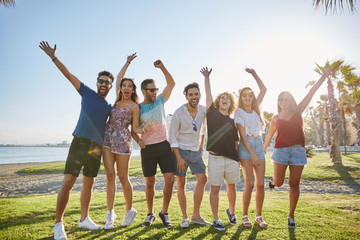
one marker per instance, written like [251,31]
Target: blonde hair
[232,101]
[254,104]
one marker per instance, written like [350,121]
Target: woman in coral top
[289,149]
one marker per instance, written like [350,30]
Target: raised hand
[250,70]
[158,64]
[48,49]
[205,71]
[131,57]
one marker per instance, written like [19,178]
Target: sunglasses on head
[101,81]
[194,125]
[152,89]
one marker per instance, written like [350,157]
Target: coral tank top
[289,132]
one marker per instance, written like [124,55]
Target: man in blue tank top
[86,147]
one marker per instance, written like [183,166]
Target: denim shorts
[256,145]
[194,160]
[293,155]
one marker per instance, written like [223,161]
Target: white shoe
[88,224]
[185,223]
[129,217]
[110,219]
[59,231]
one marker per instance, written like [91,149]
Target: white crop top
[250,121]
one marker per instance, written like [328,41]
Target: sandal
[260,221]
[247,223]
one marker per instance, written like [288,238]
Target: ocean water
[37,154]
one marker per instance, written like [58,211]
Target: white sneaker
[129,217]
[185,223]
[59,231]
[110,219]
[88,224]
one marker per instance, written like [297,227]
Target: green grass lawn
[318,217]
[319,168]
[322,216]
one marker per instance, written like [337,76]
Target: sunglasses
[101,81]
[284,100]
[152,89]
[246,95]
[194,125]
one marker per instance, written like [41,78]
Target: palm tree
[267,117]
[310,111]
[351,99]
[333,5]
[334,67]
[7,3]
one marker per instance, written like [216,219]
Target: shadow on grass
[344,174]
[292,234]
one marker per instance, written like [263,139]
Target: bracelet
[54,59]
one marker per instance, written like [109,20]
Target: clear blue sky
[281,40]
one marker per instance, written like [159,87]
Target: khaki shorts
[221,168]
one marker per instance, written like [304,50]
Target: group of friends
[103,130]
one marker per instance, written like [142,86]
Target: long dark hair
[134,97]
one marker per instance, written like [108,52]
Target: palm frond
[7,3]
[334,5]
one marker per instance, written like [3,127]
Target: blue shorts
[293,155]
[256,145]
[194,160]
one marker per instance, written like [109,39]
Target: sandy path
[15,184]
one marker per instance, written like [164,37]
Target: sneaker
[185,223]
[110,219]
[218,225]
[129,217]
[165,219]
[59,231]
[150,218]
[291,223]
[271,185]
[231,217]
[88,224]
[200,221]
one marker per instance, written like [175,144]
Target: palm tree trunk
[336,156]
[344,127]
[328,137]
[321,128]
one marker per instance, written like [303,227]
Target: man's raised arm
[170,83]
[51,53]
[209,98]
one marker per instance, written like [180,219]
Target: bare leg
[85,198]
[169,180]
[294,183]
[181,194]
[201,180]
[150,193]
[109,164]
[122,165]
[64,196]
[247,169]
[259,181]
[279,174]
[231,194]
[214,201]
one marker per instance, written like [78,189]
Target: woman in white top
[251,152]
